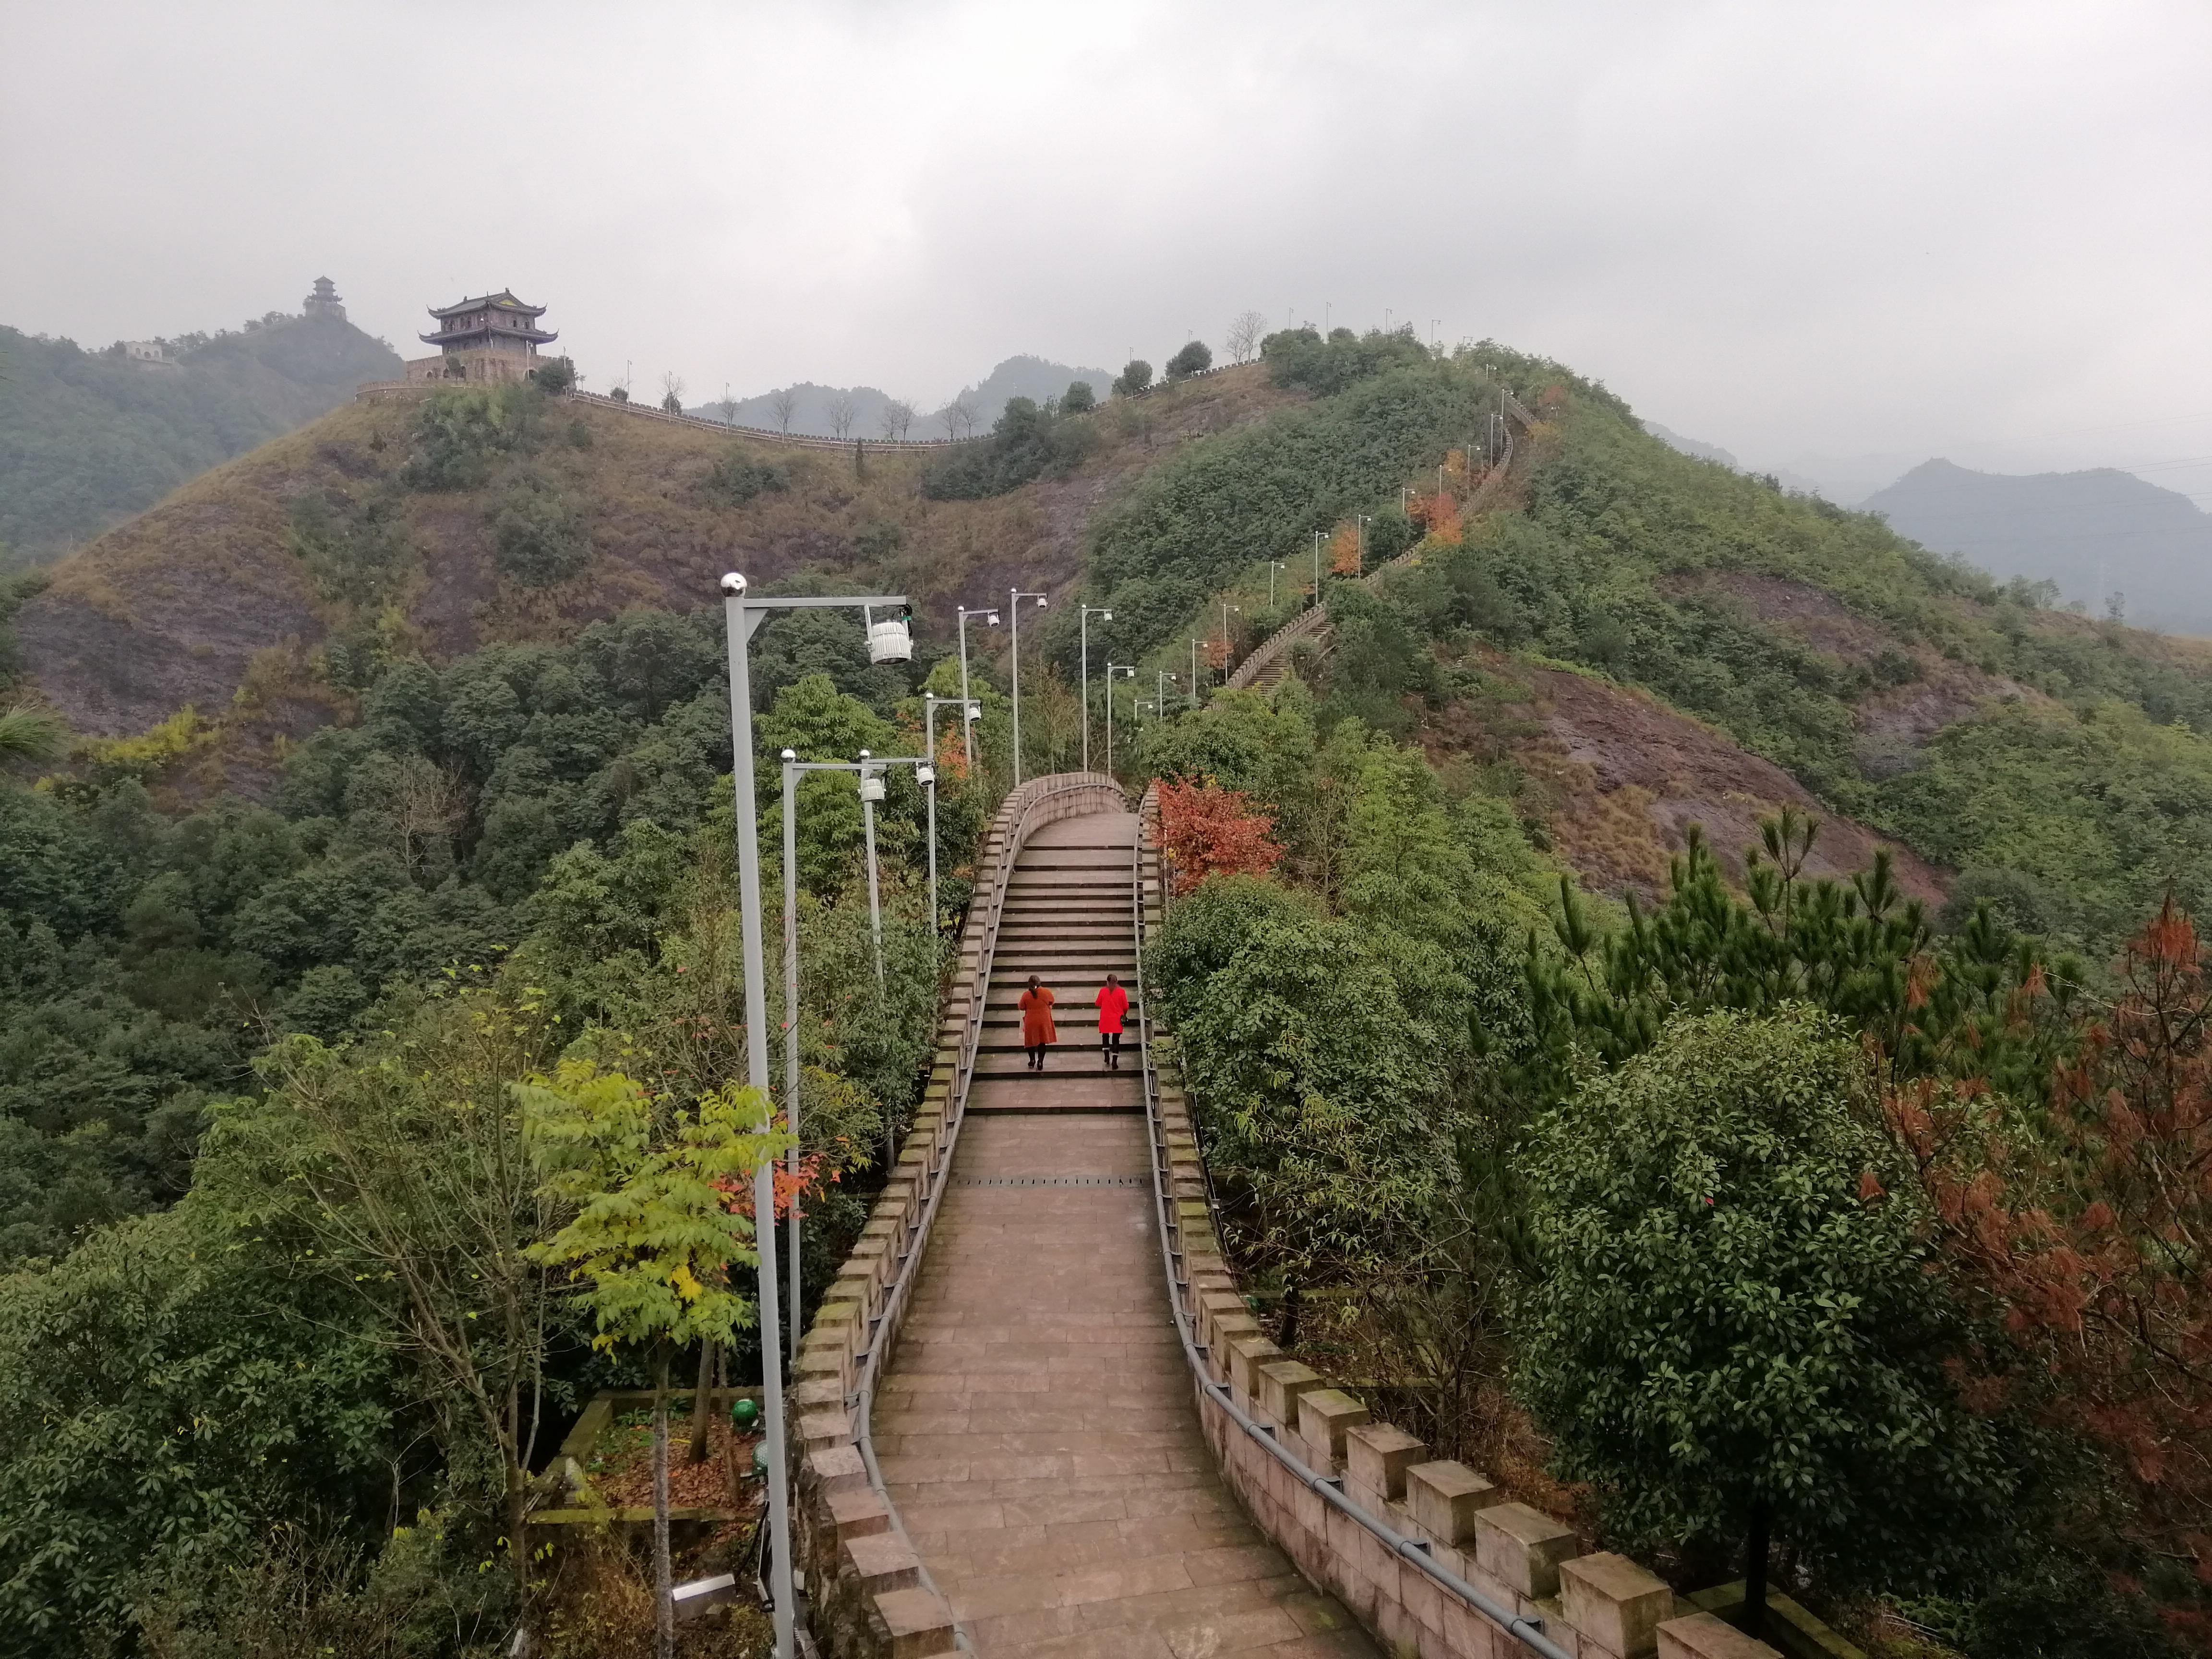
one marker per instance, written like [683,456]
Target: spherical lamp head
[734,584]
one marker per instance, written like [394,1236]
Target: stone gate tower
[492,339]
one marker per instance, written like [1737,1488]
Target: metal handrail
[1328,1488]
[880,1325]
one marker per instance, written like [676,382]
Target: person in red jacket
[1037,1029]
[1113,1003]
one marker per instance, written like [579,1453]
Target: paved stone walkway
[1037,1429]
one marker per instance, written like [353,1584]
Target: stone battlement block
[1615,1603]
[1523,1549]
[1445,1498]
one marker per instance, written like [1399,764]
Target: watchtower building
[324,301]
[493,339]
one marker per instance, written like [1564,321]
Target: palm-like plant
[29,734]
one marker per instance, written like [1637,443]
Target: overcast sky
[1798,230]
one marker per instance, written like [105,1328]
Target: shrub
[538,538]
[556,376]
[1080,398]
[1028,442]
[737,477]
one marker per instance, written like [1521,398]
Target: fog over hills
[2097,535]
[90,435]
[1017,377]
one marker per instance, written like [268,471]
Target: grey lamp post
[1360,521]
[1317,539]
[1160,678]
[926,775]
[1127,670]
[793,768]
[1227,610]
[1103,615]
[872,791]
[1273,565]
[1194,673]
[990,620]
[1014,597]
[888,641]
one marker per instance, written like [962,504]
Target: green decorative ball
[744,1413]
[760,1460]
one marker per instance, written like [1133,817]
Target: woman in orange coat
[1036,1022]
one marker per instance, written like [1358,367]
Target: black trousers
[1109,1042]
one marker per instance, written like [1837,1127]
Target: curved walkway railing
[1313,621]
[869,1592]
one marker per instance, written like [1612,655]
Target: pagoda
[324,301]
[494,337]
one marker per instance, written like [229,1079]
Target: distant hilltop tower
[324,301]
[495,337]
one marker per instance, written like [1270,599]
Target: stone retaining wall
[865,1582]
[1594,1606]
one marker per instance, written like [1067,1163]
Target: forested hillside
[90,437]
[365,818]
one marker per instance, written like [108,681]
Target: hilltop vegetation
[399,783]
[90,437]
[1813,1198]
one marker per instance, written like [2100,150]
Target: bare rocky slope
[203,596]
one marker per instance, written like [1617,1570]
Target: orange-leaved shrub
[1206,829]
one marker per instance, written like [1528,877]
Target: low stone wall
[866,1586]
[1591,1605]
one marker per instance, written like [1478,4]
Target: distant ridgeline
[90,437]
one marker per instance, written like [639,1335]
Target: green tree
[1079,399]
[1136,376]
[655,1233]
[1732,1332]
[1193,359]
[403,1165]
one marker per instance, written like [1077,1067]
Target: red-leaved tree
[2093,1240]
[1206,829]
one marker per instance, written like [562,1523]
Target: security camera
[1105,615]
[991,620]
[1040,601]
[734,586]
[975,711]
[925,775]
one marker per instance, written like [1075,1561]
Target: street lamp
[1226,610]
[990,620]
[792,767]
[1273,565]
[886,643]
[1128,671]
[1103,615]
[1194,673]
[1318,535]
[1360,521]
[1160,678]
[1014,597]
[925,775]
[872,791]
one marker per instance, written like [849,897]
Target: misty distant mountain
[90,437]
[1017,377]
[2092,533]
[1691,447]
